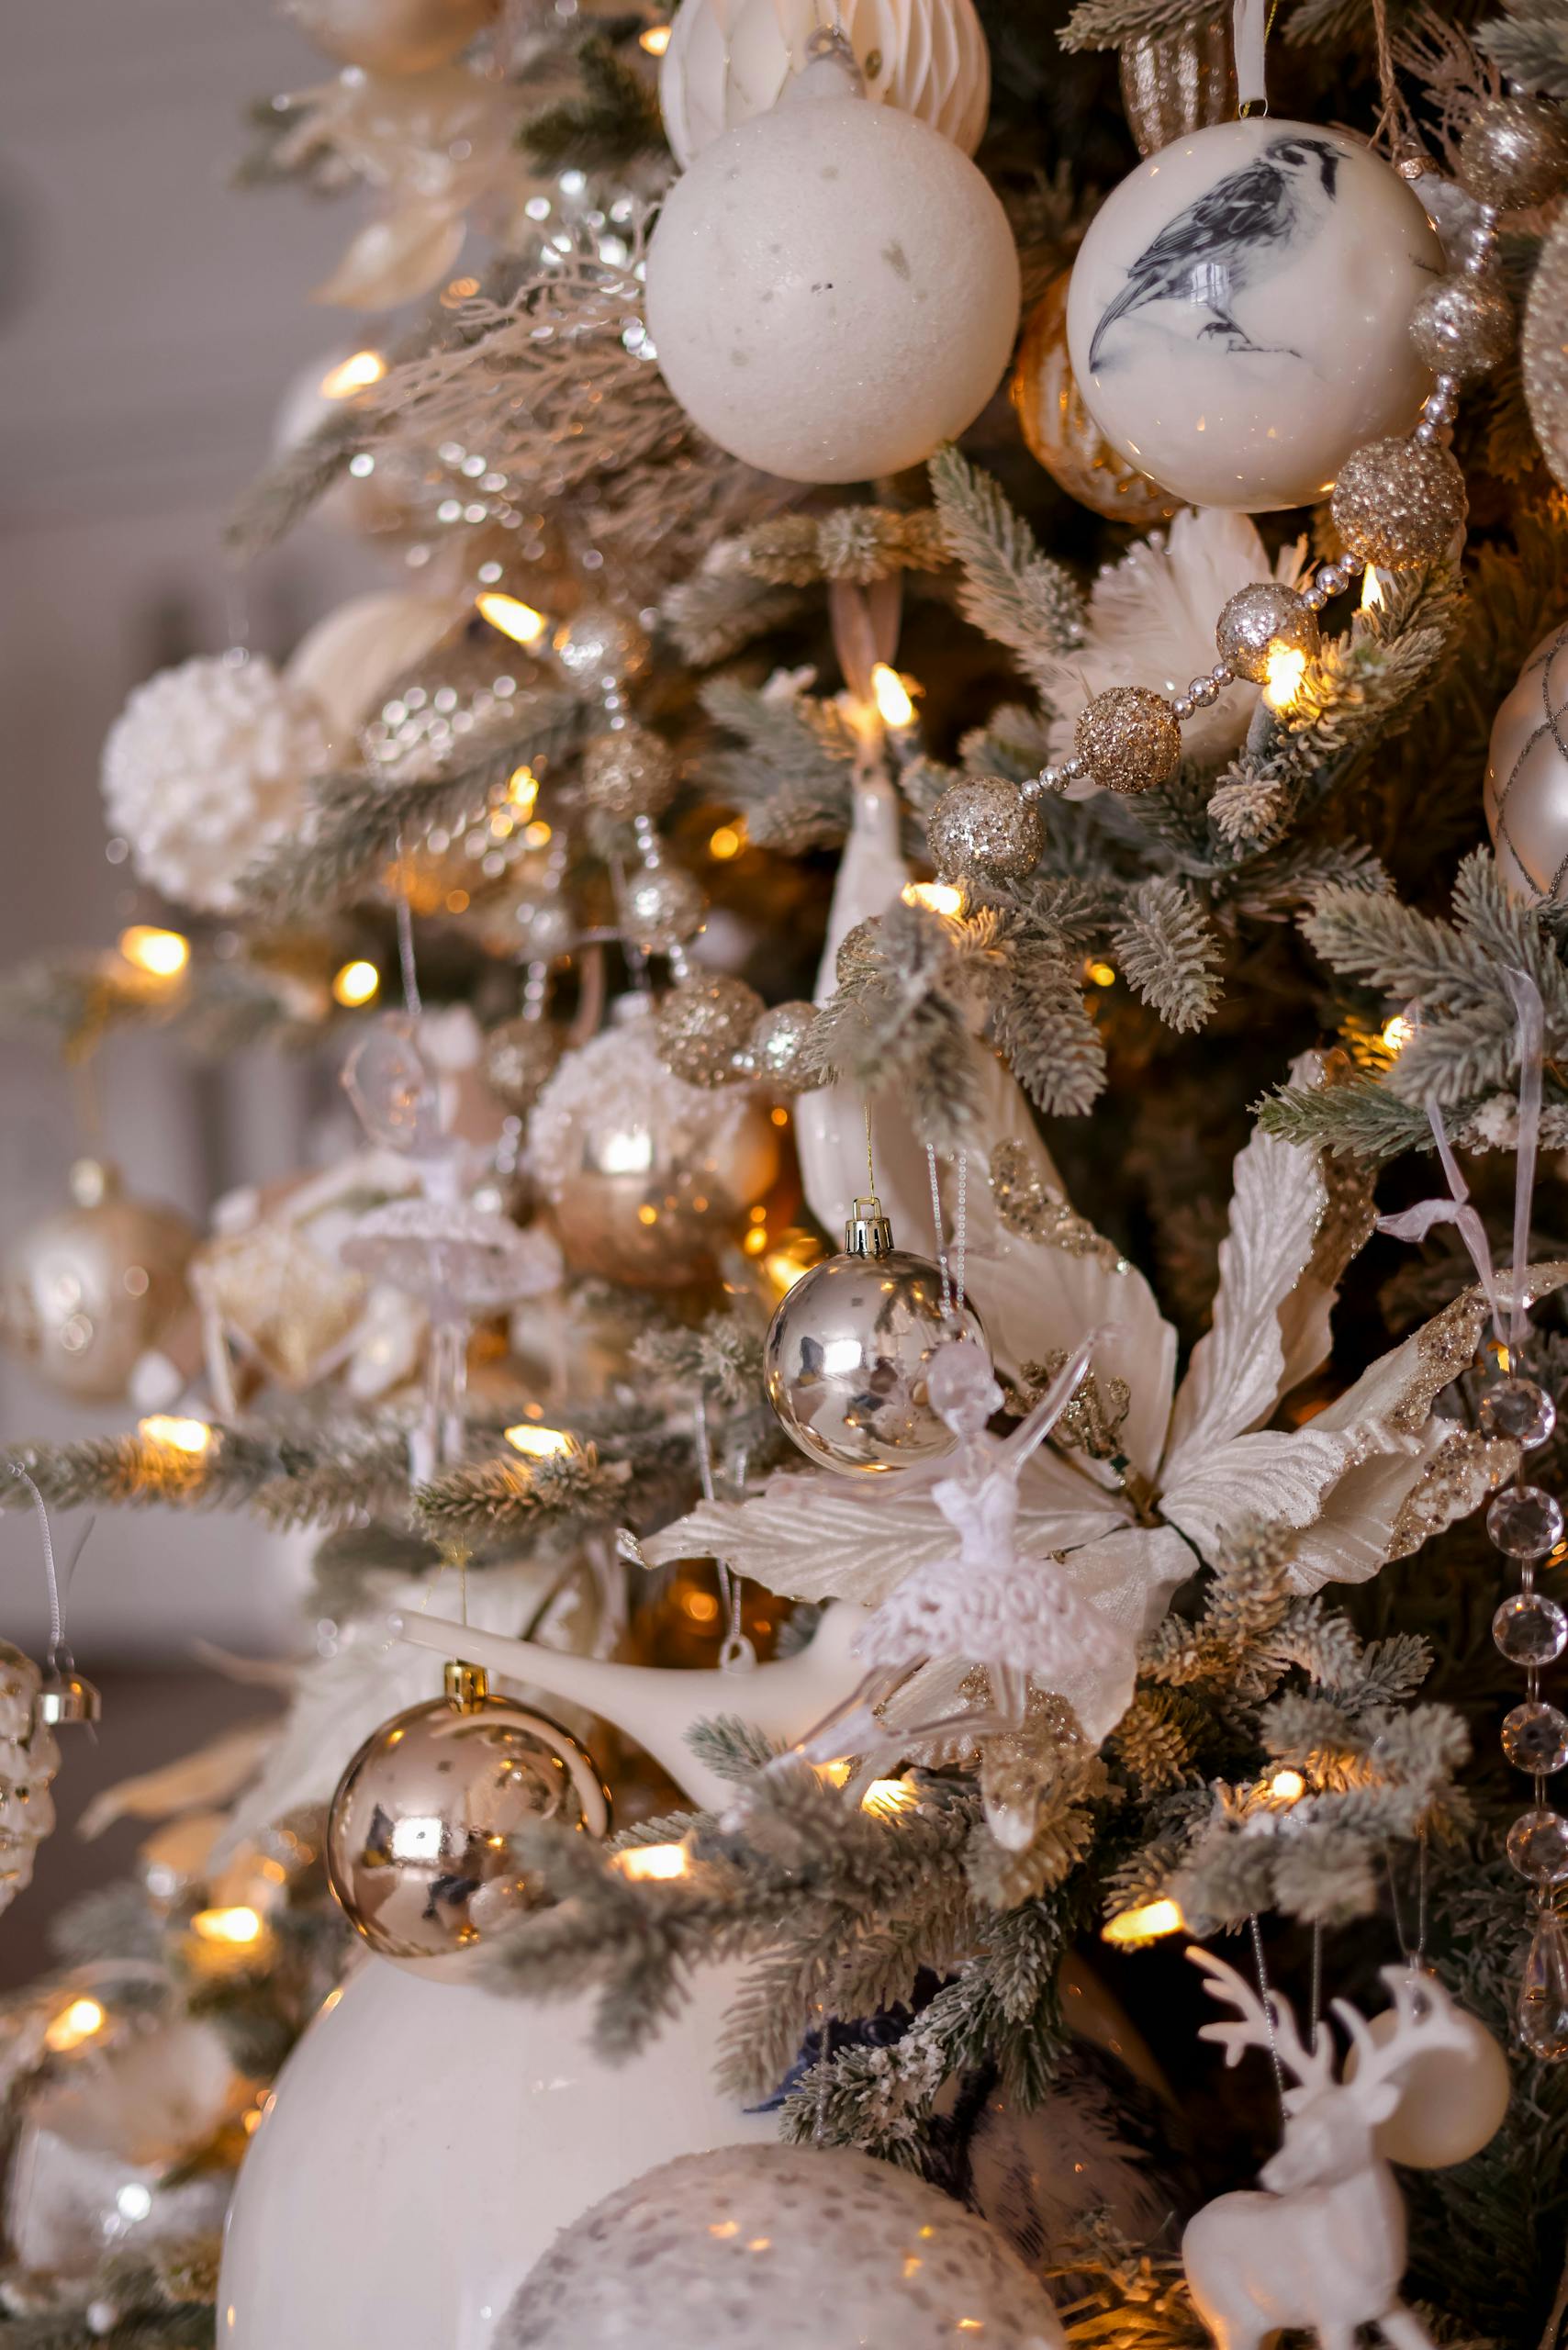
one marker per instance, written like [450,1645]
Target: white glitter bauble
[833,289]
[1526,775]
[392,35]
[1239,317]
[425,2142]
[350,658]
[729,59]
[779,2248]
[205,769]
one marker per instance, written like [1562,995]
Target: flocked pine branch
[609,121]
[1529,43]
[515,1494]
[1022,598]
[898,1018]
[790,781]
[1168,953]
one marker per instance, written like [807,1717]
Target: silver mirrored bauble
[662,908]
[1462,326]
[849,1352]
[1514,153]
[1397,503]
[779,2248]
[599,646]
[982,829]
[628,772]
[1258,618]
[780,1049]
[1526,775]
[702,1028]
[416,1837]
[1128,739]
[87,1292]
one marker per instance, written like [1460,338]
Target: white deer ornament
[1322,2247]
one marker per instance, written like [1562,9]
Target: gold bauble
[646,1177]
[418,1849]
[1174,83]
[1063,435]
[88,1293]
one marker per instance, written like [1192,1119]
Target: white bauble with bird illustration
[1239,316]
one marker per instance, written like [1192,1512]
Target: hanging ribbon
[1414,1224]
[1250,26]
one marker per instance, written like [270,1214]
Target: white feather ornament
[1151,618]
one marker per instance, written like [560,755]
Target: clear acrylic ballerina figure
[980,1605]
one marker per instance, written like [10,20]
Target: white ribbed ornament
[352,654]
[728,60]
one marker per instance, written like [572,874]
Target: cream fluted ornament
[206,767]
[1239,317]
[779,2248]
[348,661]
[425,2142]
[1526,775]
[833,289]
[729,59]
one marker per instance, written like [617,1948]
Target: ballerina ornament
[979,1605]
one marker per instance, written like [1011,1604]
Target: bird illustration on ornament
[1242,232]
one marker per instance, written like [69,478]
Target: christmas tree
[927,1412]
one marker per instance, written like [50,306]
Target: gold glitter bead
[518,1057]
[982,829]
[780,1048]
[630,772]
[703,1024]
[598,645]
[1128,739]
[1514,153]
[1257,620]
[1397,503]
[664,908]
[1460,328]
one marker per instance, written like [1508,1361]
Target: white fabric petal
[1264,1307]
[817,1537]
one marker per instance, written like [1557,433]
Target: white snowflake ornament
[205,767]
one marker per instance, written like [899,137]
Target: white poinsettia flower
[1152,623]
[1365,1482]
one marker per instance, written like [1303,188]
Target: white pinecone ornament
[205,767]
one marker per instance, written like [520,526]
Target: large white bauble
[392,35]
[832,290]
[1239,316]
[1526,775]
[425,2142]
[1451,2100]
[729,59]
[349,658]
[779,2248]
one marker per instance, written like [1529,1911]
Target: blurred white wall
[149,318]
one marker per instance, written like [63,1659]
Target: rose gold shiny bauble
[1063,435]
[88,1293]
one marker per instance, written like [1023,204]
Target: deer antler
[1268,2023]
[1426,2018]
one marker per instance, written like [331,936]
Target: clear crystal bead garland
[1531,1631]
